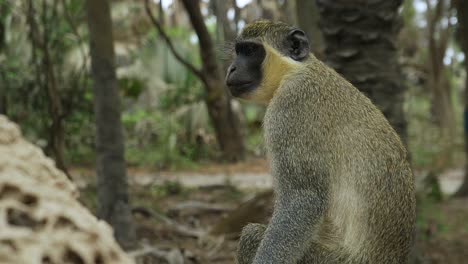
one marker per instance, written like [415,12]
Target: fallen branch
[148,250]
[181,229]
[201,206]
[173,256]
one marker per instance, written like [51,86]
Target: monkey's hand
[292,228]
[250,239]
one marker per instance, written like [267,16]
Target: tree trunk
[56,142]
[308,20]
[3,16]
[217,98]
[462,14]
[438,83]
[113,202]
[360,38]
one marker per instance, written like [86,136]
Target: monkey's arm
[292,228]
[300,168]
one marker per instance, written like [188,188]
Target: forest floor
[175,210]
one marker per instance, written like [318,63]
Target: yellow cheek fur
[275,67]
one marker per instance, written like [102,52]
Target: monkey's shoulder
[322,99]
[327,113]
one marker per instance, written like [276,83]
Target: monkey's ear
[297,44]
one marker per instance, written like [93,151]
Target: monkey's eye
[246,48]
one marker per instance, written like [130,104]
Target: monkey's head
[266,52]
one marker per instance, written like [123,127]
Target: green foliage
[408,12]
[428,145]
[163,135]
[254,140]
[431,221]
[160,144]
[429,188]
[131,87]
[24,82]
[79,123]
[186,86]
[426,208]
[80,131]
[184,93]
[154,136]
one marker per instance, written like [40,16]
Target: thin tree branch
[206,45]
[82,73]
[169,43]
[35,40]
[237,13]
[179,228]
[148,250]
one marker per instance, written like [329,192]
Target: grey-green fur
[344,189]
[262,32]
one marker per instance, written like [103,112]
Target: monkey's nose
[231,69]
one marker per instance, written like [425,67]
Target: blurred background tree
[112,187]
[462,29]
[217,100]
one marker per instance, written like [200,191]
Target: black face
[245,72]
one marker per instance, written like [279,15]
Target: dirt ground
[174,212]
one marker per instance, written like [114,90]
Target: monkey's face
[265,53]
[245,73]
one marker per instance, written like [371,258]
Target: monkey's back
[340,136]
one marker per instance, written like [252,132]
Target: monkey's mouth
[239,89]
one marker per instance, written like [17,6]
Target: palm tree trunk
[360,37]
[308,20]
